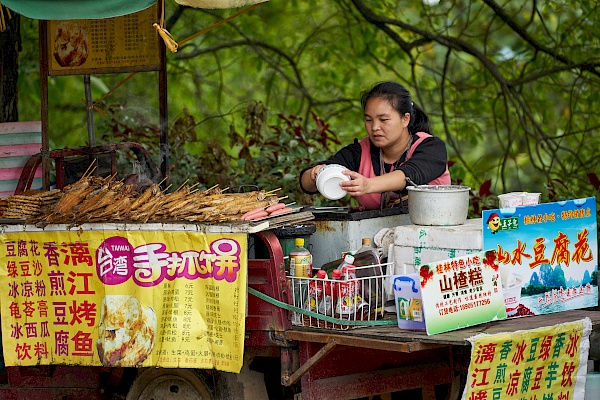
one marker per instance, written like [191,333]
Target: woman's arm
[359,185]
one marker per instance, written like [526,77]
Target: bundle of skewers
[98,199]
[29,204]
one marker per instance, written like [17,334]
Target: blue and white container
[409,302]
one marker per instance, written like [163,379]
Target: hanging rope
[170,41]
[3,22]
[164,34]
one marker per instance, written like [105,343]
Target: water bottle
[348,260]
[300,267]
[300,260]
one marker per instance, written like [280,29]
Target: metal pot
[438,205]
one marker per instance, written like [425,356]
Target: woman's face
[384,124]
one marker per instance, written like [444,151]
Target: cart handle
[405,279]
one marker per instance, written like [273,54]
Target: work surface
[394,339]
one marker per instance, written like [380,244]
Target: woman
[399,145]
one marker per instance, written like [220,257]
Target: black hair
[399,98]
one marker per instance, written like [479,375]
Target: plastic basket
[328,303]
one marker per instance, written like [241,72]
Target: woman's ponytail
[419,121]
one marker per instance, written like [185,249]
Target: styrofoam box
[417,245]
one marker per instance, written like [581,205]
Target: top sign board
[111,45]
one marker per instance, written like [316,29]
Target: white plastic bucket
[409,302]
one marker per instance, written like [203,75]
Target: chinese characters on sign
[543,363]
[89,46]
[461,292]
[549,251]
[168,299]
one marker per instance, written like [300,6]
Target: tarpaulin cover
[75,9]
[95,9]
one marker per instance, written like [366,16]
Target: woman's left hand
[357,185]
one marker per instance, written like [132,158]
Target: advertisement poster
[548,255]
[89,46]
[122,299]
[461,292]
[542,363]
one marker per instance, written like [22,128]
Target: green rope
[338,321]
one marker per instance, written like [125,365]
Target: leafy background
[512,87]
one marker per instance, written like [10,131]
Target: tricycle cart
[282,360]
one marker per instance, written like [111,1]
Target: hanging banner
[543,363]
[461,292]
[548,255]
[123,298]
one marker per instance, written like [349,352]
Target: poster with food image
[105,45]
[547,253]
[139,296]
[461,292]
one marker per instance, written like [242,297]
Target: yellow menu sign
[543,363]
[92,46]
[123,299]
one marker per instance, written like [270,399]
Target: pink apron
[371,201]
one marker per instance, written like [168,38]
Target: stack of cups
[516,199]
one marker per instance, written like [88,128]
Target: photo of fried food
[126,332]
[70,44]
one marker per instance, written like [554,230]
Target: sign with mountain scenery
[547,253]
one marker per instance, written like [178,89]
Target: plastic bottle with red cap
[316,289]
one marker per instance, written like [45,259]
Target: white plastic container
[532,199]
[329,179]
[510,200]
[409,302]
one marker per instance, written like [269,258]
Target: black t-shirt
[427,163]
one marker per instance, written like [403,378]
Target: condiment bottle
[326,303]
[368,257]
[336,276]
[367,254]
[345,304]
[316,287]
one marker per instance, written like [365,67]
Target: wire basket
[327,303]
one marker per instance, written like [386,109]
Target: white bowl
[328,181]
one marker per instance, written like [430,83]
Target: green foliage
[511,87]
[272,157]
[532,290]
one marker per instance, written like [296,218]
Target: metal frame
[44,73]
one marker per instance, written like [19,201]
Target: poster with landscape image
[548,255]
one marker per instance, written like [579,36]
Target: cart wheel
[166,384]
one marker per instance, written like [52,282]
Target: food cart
[307,361]
[316,361]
